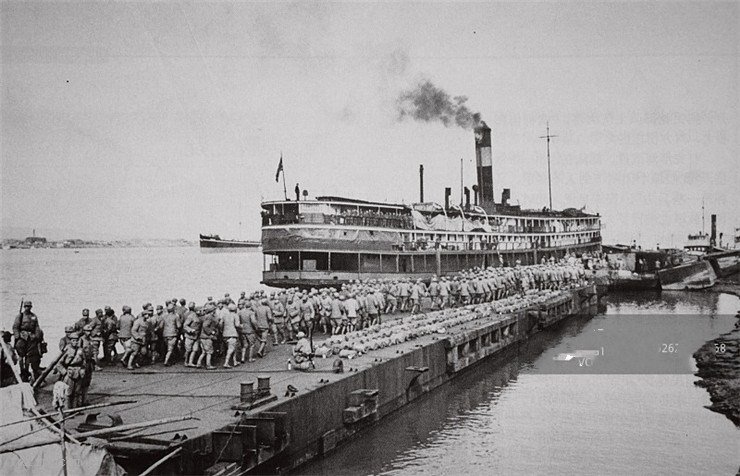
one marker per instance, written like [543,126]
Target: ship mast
[702,215]
[549,179]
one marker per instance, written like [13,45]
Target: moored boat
[689,276]
[215,241]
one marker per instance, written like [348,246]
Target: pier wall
[321,419]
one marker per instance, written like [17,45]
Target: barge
[333,240]
[262,418]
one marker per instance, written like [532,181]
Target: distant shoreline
[86,244]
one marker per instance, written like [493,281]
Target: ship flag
[279,169]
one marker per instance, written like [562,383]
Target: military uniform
[72,368]
[29,341]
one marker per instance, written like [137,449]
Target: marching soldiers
[29,342]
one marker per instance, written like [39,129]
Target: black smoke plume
[428,103]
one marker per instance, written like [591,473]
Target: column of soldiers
[239,331]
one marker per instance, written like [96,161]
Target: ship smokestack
[713,235]
[484,163]
[448,192]
[475,194]
[467,198]
[421,183]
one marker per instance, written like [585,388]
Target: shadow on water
[418,423]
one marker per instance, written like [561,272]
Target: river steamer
[332,240]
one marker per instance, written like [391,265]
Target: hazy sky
[166,120]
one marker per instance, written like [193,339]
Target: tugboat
[216,242]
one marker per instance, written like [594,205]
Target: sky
[164,120]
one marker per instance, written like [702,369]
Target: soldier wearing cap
[154,339]
[96,332]
[261,324]
[110,335]
[191,330]
[230,327]
[294,315]
[88,347]
[72,369]
[29,341]
[170,332]
[278,319]
[139,335]
[125,323]
[64,341]
[247,336]
[302,353]
[208,333]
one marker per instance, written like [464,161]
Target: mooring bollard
[263,386]
[247,394]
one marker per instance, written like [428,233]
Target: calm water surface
[61,282]
[635,410]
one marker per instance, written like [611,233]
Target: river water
[633,408]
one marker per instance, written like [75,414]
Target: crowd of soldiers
[238,331]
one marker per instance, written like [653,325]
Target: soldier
[325,312]
[261,324]
[434,290]
[191,329]
[307,314]
[64,341]
[246,331]
[302,353]
[139,335]
[230,329]
[372,309]
[72,369]
[154,339]
[294,316]
[392,298]
[88,346]
[351,307]
[404,289]
[278,320]
[96,334]
[208,333]
[124,332]
[337,311]
[29,341]
[110,335]
[170,332]
[444,293]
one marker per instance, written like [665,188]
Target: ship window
[370,263]
[314,261]
[287,261]
[389,263]
[344,262]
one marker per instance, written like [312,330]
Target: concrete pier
[261,417]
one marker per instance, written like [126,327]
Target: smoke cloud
[428,103]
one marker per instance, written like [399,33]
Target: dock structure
[263,418]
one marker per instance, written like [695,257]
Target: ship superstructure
[331,240]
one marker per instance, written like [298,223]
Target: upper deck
[335,211]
